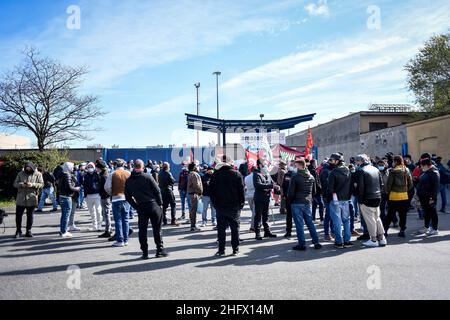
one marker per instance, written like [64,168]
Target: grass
[6,202]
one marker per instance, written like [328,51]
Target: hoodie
[301,188]
[339,182]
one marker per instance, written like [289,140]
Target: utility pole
[217,74]
[197,87]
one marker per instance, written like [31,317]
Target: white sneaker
[118,244]
[203,225]
[126,244]
[66,235]
[432,232]
[74,228]
[371,244]
[382,243]
[423,231]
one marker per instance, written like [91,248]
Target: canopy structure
[240,126]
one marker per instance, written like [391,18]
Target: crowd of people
[379,192]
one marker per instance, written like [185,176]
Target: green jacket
[28,196]
[399,180]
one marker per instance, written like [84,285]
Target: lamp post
[197,87]
[260,131]
[217,74]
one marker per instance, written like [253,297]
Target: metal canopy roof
[230,126]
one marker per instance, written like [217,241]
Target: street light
[197,87]
[217,74]
[260,131]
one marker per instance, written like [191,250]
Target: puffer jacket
[67,183]
[399,180]
[339,182]
[28,196]
[428,185]
[302,187]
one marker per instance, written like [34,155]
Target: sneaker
[220,253]
[401,234]
[112,238]
[161,253]
[195,229]
[356,233]
[118,244]
[66,235]
[38,211]
[235,253]
[338,245]
[371,244]
[269,235]
[174,223]
[348,244]
[423,230]
[432,232]
[382,243]
[288,235]
[203,225]
[299,248]
[29,234]
[363,237]
[74,228]
[328,238]
[317,246]
[125,244]
[105,234]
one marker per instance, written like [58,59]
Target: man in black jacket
[144,195]
[105,199]
[300,194]
[67,188]
[339,188]
[323,178]
[166,183]
[427,190]
[226,190]
[369,186]
[48,191]
[263,188]
[317,196]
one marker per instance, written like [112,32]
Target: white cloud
[318,9]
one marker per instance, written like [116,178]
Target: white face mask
[265,170]
[91,170]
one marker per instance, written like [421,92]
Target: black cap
[336,156]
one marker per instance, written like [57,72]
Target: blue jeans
[327,223]
[81,197]
[207,203]
[121,214]
[184,197]
[340,215]
[355,206]
[443,191]
[66,209]
[302,213]
[48,193]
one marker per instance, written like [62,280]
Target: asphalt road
[413,268]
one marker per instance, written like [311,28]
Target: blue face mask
[381,168]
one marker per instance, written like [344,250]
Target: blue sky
[282,58]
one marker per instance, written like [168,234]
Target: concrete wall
[392,119]
[431,135]
[378,143]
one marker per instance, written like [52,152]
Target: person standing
[80,176]
[444,175]
[166,183]
[76,195]
[243,169]
[28,182]
[195,190]
[398,186]
[381,165]
[182,189]
[369,188]
[427,190]
[327,167]
[206,198]
[301,189]
[227,195]
[317,196]
[292,170]
[282,170]
[105,199]
[143,194]
[249,194]
[263,187]
[91,186]
[339,187]
[48,191]
[67,190]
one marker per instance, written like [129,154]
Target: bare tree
[41,95]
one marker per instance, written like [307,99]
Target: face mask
[91,170]
[381,168]
[29,171]
[291,169]
[353,171]
[265,170]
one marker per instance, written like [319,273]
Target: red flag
[309,143]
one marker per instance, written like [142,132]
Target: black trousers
[169,200]
[402,207]
[150,211]
[30,215]
[430,215]
[261,212]
[288,217]
[228,218]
